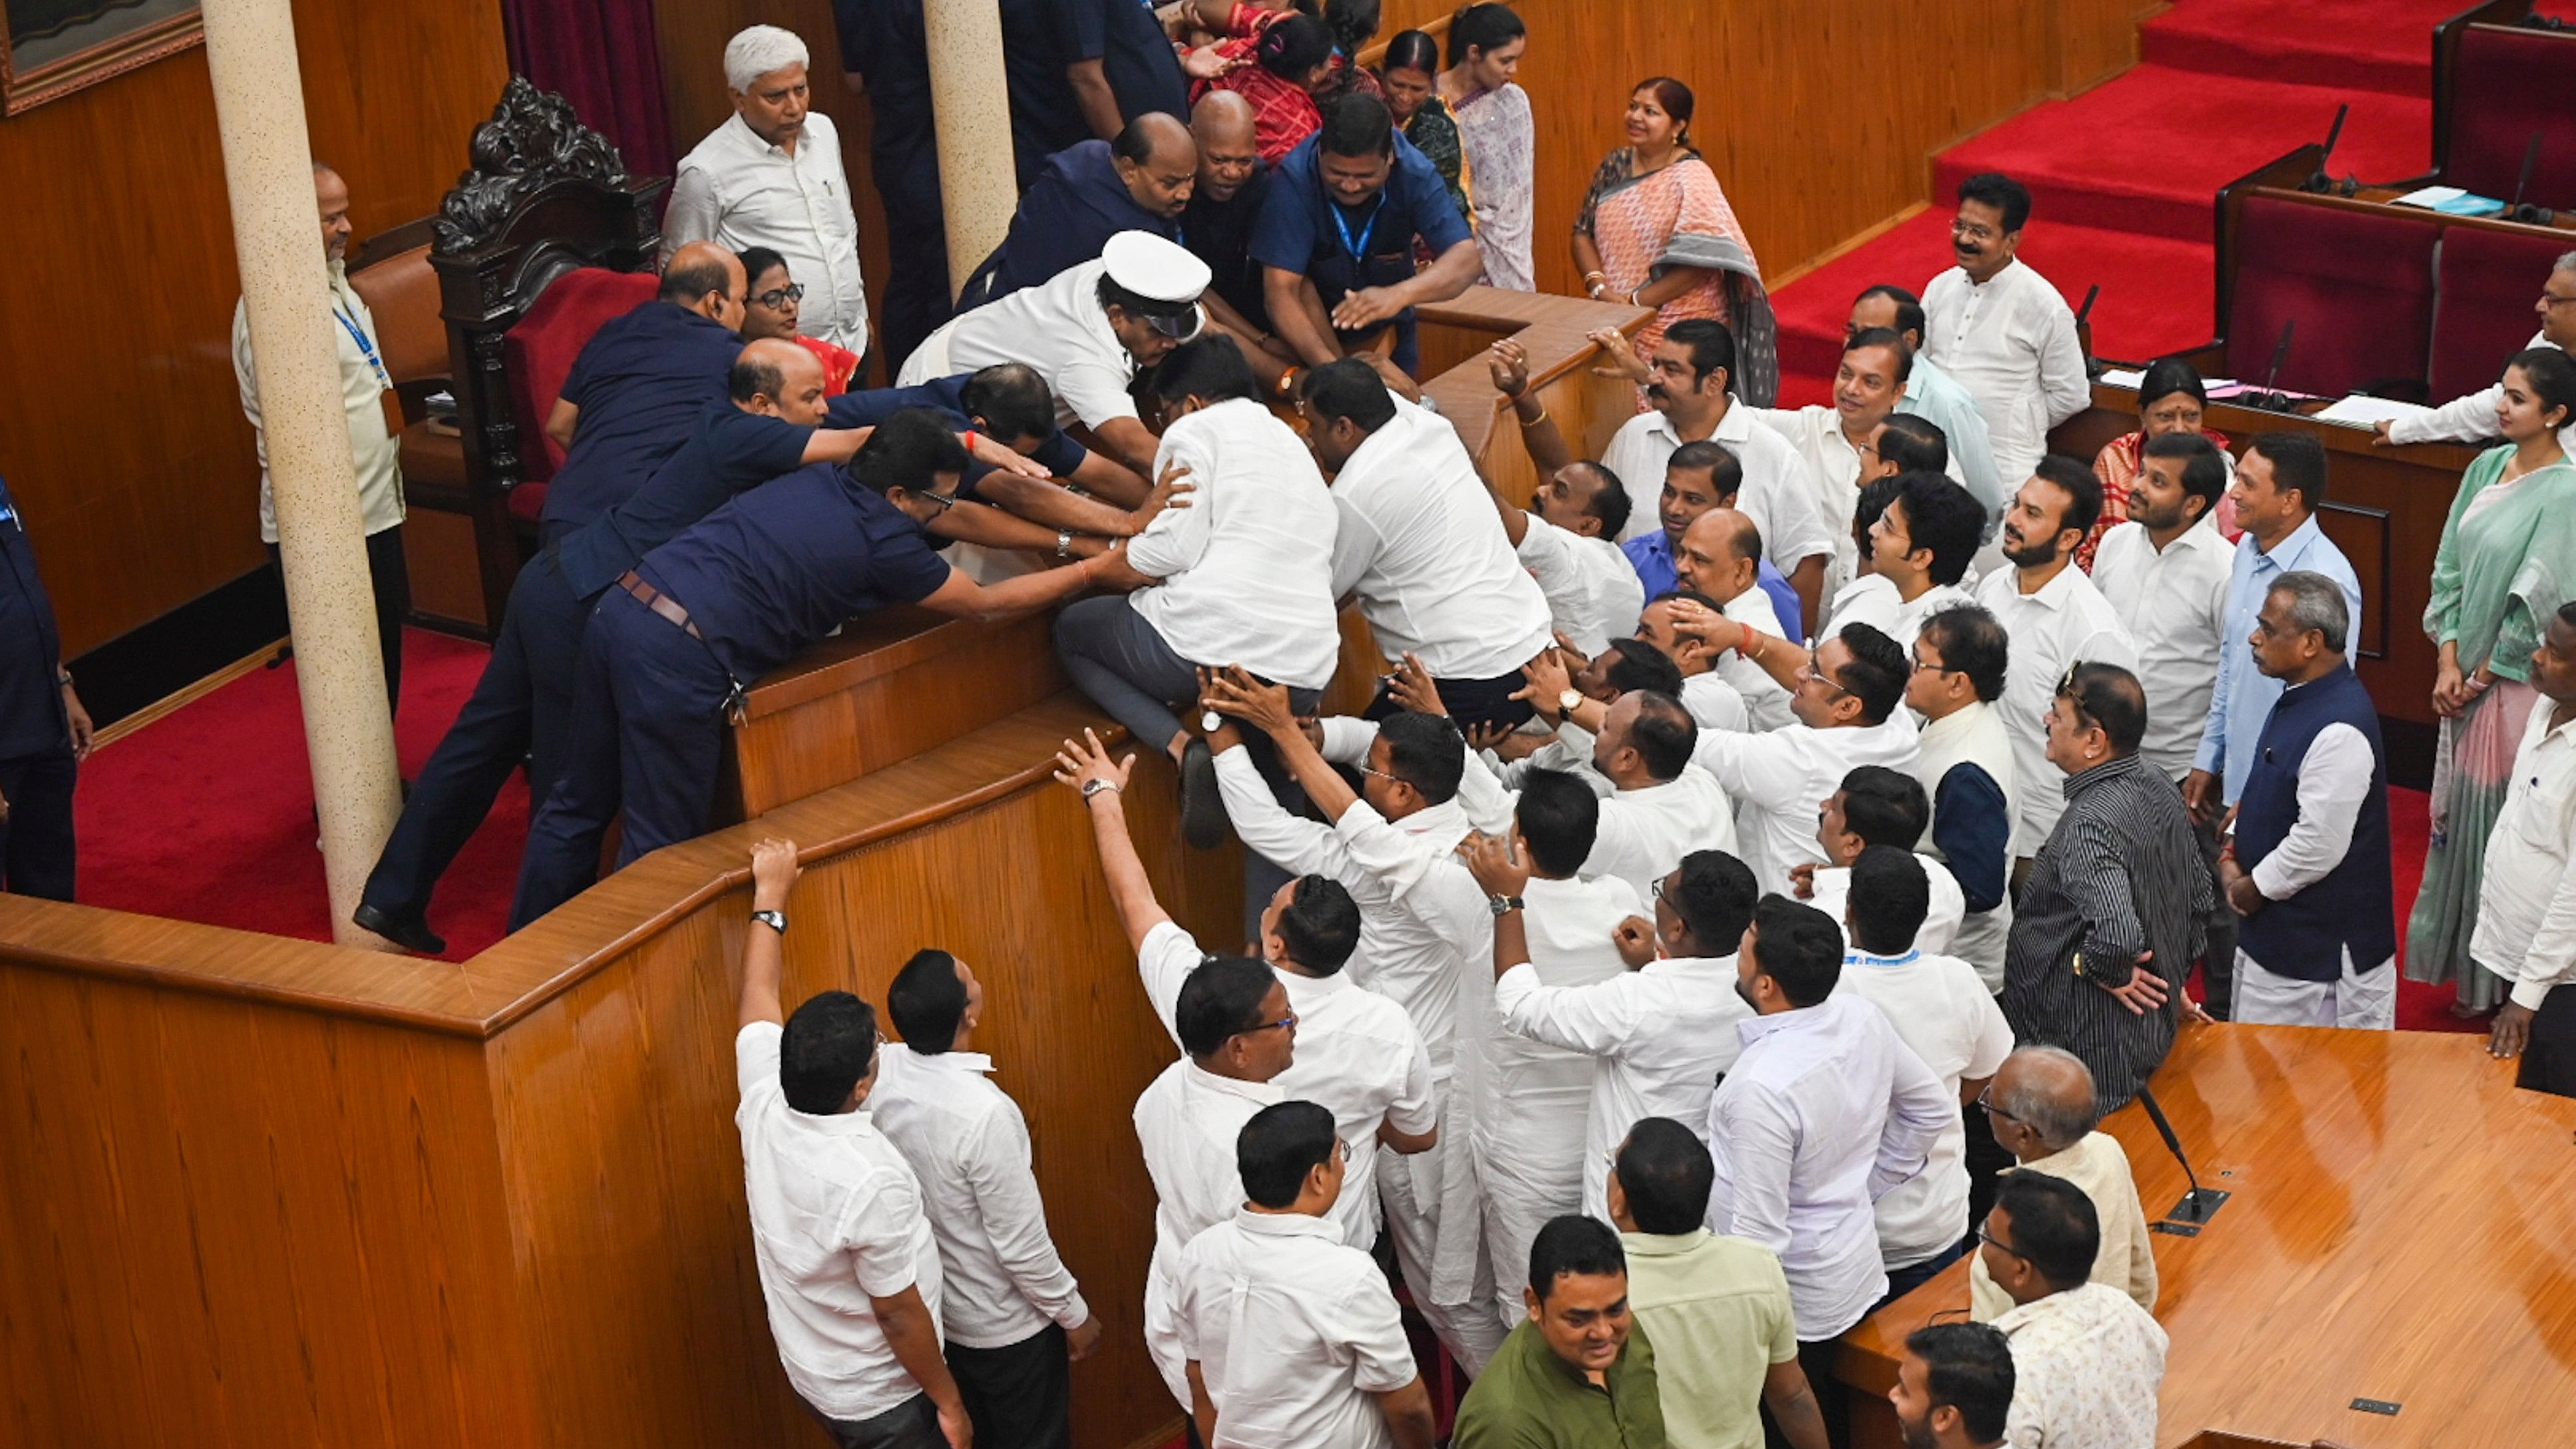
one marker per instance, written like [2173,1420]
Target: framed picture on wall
[55,47]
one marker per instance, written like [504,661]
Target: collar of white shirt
[840,1124]
[1734,427]
[1822,1016]
[2052,595]
[1286,1225]
[976,1062]
[1266,1093]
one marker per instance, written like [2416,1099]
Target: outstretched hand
[1233,691]
[1496,863]
[1507,362]
[1079,762]
[1411,685]
[773,873]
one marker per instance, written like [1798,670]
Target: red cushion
[527,502]
[2490,279]
[2359,284]
[539,350]
[2507,84]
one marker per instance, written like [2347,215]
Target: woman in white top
[1500,137]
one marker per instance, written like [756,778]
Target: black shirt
[730,451]
[882,41]
[1219,233]
[1045,118]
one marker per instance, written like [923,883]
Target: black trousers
[521,709]
[912,1424]
[1470,702]
[389,575]
[2218,967]
[2549,1059]
[1019,1395]
[916,294]
[36,848]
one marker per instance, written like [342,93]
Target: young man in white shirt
[1934,396]
[848,1265]
[2001,329]
[1418,544]
[1966,770]
[2056,619]
[1658,809]
[1847,700]
[771,176]
[1688,387]
[1243,575]
[2526,929]
[1294,1341]
[1877,806]
[1920,545]
[1713,702]
[2164,573]
[1013,1318]
[1950,1020]
[1835,442]
[1662,1032]
[1716,559]
[2088,1363]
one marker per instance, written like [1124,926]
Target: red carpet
[207,815]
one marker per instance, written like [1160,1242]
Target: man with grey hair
[2472,418]
[2042,1108]
[2307,868]
[771,176]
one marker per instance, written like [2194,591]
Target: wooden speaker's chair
[546,199]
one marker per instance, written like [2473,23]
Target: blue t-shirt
[32,718]
[1059,454]
[783,565]
[1301,229]
[730,451]
[640,383]
[1651,554]
[1067,218]
[1135,56]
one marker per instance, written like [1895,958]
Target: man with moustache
[1090,192]
[2001,329]
[1837,442]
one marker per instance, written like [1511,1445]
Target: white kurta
[739,191]
[2010,341]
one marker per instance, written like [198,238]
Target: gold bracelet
[1529,422]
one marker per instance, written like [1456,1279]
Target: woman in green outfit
[2508,560]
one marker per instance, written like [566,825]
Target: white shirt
[1660,1035]
[2010,341]
[2173,602]
[1833,469]
[1187,1120]
[1247,568]
[1937,1004]
[1593,592]
[1643,833]
[1873,599]
[1766,702]
[1941,918]
[739,191]
[1782,779]
[836,1220]
[2334,780]
[1293,1332]
[2526,929]
[2469,419]
[1825,1111]
[2067,620]
[1421,546]
[1938,399]
[2088,1365]
[375,452]
[969,1149]
[1715,704]
[1776,493]
[1056,327]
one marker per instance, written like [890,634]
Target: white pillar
[268,171]
[971,105]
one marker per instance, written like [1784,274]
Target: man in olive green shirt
[1578,1374]
[1718,1305]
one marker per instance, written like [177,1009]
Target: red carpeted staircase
[2124,178]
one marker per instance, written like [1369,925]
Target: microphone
[2321,183]
[2517,210]
[2267,398]
[2093,366]
[2200,1204]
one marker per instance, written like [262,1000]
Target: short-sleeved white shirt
[836,1220]
[1056,327]
[1293,1332]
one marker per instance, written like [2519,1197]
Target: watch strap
[774,920]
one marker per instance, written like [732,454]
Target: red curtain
[601,56]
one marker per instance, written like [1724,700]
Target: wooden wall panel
[120,425]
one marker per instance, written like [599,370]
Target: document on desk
[2450,201]
[2358,411]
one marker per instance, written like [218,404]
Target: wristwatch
[1063,543]
[1568,702]
[774,920]
[1095,785]
[1502,905]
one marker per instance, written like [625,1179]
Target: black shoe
[1202,807]
[412,934]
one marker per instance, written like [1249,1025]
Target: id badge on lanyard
[386,397]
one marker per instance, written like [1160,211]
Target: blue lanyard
[1358,249]
[366,348]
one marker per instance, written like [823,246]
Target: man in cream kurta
[2002,330]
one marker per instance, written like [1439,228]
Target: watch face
[1568,701]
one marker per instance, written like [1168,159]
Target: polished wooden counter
[2402,1228]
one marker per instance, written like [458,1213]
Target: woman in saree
[1406,78]
[1499,135]
[2507,562]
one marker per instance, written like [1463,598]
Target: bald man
[1720,557]
[769,425]
[2043,1110]
[373,449]
[1218,224]
[1089,193]
[636,390]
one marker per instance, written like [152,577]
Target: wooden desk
[2403,1227]
[2384,508]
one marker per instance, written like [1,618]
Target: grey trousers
[1122,663]
[912,1424]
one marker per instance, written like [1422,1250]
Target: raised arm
[1232,691]
[773,875]
[1086,766]
[1508,362]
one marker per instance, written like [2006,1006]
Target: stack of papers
[2358,411]
[2451,201]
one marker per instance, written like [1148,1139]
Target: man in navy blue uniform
[1120,63]
[635,393]
[1089,193]
[671,648]
[1336,234]
[44,732]
[1010,413]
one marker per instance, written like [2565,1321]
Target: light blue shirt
[2244,695]
[1937,398]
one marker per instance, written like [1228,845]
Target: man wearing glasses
[2087,1361]
[677,639]
[1966,767]
[2002,329]
[2472,418]
[2042,1110]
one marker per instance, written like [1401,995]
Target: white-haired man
[771,176]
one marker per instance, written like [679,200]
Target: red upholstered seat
[2489,281]
[2508,84]
[539,352]
[2359,284]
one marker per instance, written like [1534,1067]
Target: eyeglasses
[1999,1245]
[1920,665]
[1282,1024]
[942,501]
[1986,1104]
[1813,672]
[778,297]
[2552,299]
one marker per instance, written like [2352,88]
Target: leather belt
[659,602]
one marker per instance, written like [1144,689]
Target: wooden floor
[2402,1228]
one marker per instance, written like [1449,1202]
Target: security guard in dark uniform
[44,732]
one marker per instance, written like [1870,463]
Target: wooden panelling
[2371,1247]
[120,425]
[445,583]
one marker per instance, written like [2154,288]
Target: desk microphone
[2093,366]
[2200,1204]
[2319,182]
[2266,397]
[2518,209]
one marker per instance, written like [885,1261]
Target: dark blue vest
[2353,907]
